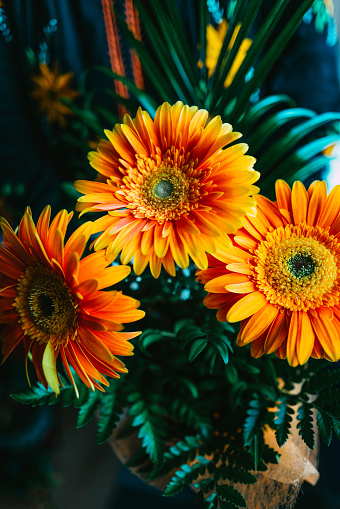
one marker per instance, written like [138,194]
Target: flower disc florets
[281,277]
[168,189]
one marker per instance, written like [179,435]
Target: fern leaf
[235,475]
[86,412]
[37,395]
[325,423]
[305,424]
[149,417]
[251,423]
[283,421]
[180,453]
[230,494]
[269,455]
[336,427]
[109,416]
[152,438]
[186,475]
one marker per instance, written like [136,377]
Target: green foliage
[186,475]
[87,410]
[38,395]
[283,420]
[231,495]
[111,409]
[234,474]
[305,424]
[149,417]
[210,339]
[324,383]
[180,453]
[252,421]
[188,385]
[325,424]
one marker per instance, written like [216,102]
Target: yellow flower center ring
[165,189]
[297,267]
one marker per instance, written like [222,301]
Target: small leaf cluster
[201,428]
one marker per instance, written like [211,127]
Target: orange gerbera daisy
[168,188]
[49,88]
[50,300]
[281,277]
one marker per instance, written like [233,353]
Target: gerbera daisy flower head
[281,277]
[167,189]
[52,302]
[49,88]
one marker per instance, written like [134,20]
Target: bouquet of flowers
[231,273]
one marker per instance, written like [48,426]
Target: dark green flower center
[50,302]
[46,305]
[163,189]
[301,266]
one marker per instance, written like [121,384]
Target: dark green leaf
[274,51]
[196,348]
[186,475]
[37,395]
[283,420]
[87,410]
[110,413]
[306,424]
[251,424]
[324,421]
[231,495]
[235,475]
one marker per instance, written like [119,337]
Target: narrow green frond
[218,90]
[268,60]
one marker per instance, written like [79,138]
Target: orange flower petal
[293,333]
[277,333]
[316,202]
[246,306]
[258,323]
[299,202]
[92,343]
[305,339]
[219,284]
[327,334]
[112,275]
[331,208]
[256,347]
[283,195]
[213,187]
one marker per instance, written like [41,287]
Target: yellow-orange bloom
[49,88]
[168,189]
[51,301]
[215,39]
[281,277]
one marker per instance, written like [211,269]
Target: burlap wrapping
[277,488]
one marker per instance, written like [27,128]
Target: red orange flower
[51,301]
[168,189]
[281,277]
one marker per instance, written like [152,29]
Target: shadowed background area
[81,474]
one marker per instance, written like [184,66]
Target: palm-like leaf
[286,140]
